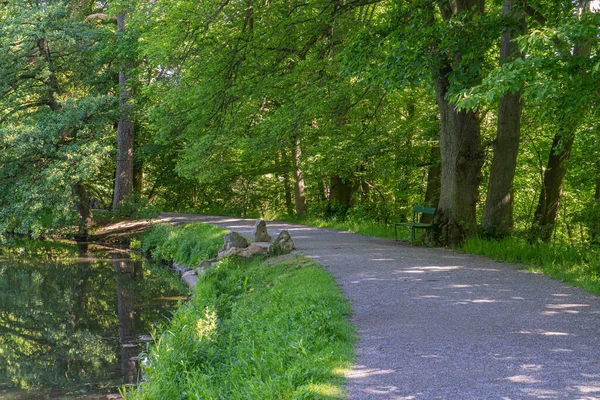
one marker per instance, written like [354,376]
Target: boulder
[233,239]
[283,244]
[208,263]
[260,231]
[190,278]
[246,252]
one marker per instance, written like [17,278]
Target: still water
[74,329]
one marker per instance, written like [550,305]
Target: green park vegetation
[320,109]
[259,329]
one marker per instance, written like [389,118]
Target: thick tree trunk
[546,212]
[300,197]
[498,213]
[124,174]
[340,195]
[461,162]
[434,175]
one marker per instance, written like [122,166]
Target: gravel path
[436,324]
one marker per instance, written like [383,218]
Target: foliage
[577,265]
[45,250]
[134,206]
[188,244]
[255,330]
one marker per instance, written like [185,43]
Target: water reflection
[71,329]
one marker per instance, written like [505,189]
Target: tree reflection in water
[69,328]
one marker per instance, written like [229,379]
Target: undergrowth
[259,329]
[577,265]
[187,244]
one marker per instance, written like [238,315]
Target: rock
[208,263]
[181,269]
[253,250]
[247,252]
[233,239]
[190,278]
[260,231]
[283,244]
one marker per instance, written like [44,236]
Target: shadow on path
[436,324]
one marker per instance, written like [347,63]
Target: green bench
[418,212]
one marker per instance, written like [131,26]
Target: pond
[75,328]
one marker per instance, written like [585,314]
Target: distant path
[436,324]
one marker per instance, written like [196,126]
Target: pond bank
[274,328]
[73,327]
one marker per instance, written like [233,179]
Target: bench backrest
[422,210]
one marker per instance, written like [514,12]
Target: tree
[498,214]
[53,123]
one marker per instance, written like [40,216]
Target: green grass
[187,244]
[255,331]
[366,228]
[259,329]
[577,265]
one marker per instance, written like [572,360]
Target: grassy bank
[263,329]
[187,244]
[578,265]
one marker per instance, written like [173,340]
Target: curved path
[436,324]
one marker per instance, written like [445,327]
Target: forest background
[337,109]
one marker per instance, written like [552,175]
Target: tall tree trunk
[461,162]
[340,195]
[595,225]
[498,213]
[287,186]
[82,204]
[546,212]
[434,175]
[300,197]
[460,146]
[124,174]
[138,176]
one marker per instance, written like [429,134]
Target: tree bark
[300,197]
[461,162]
[125,132]
[82,204]
[138,176]
[287,186]
[498,213]
[546,212]
[434,174]
[460,147]
[340,195]
[595,225]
